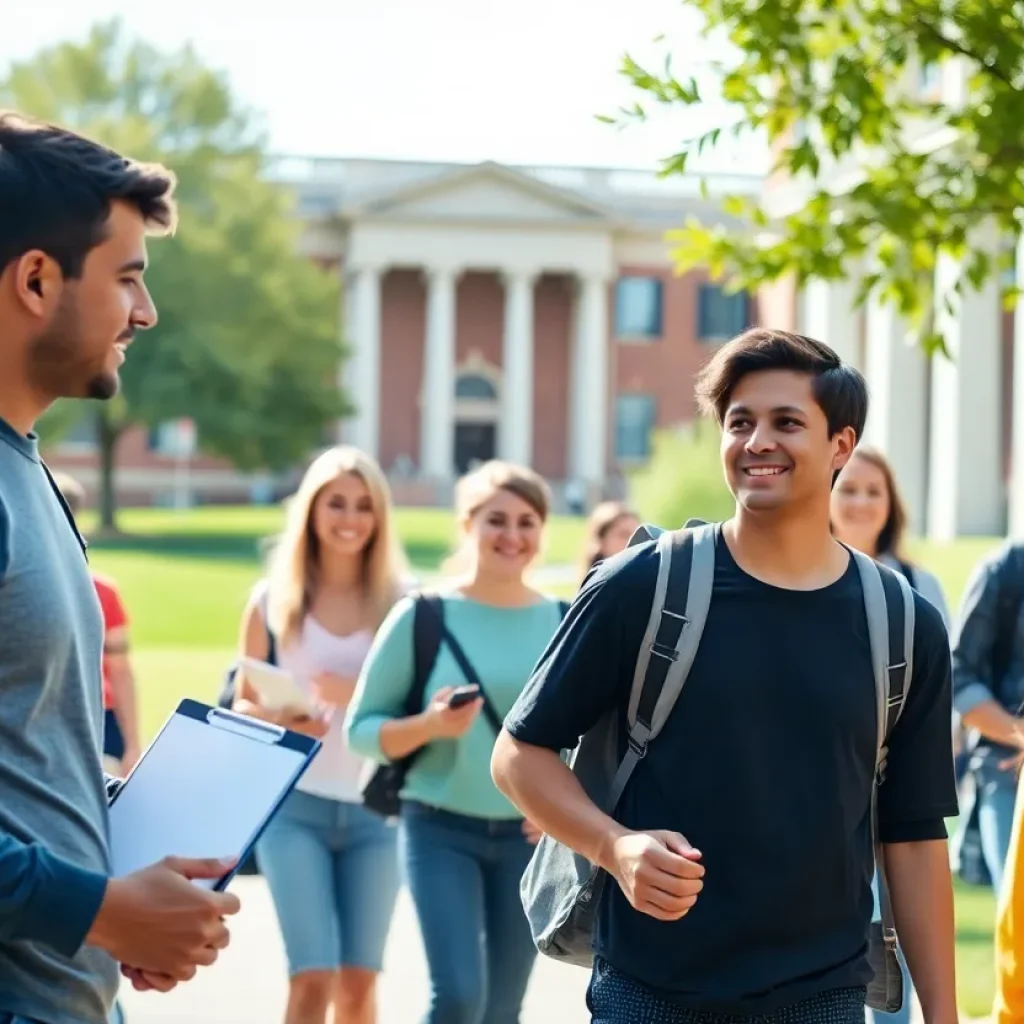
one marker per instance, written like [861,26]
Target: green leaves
[248,339]
[840,87]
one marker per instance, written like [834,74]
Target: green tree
[838,82]
[247,344]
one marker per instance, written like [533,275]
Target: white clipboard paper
[207,786]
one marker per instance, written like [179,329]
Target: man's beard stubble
[57,366]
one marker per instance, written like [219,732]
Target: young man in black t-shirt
[742,849]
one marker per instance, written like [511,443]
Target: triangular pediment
[485,192]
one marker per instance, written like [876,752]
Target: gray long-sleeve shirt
[54,856]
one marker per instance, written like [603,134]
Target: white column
[966,486]
[516,434]
[829,316]
[897,376]
[437,404]
[361,370]
[588,402]
[1016,524]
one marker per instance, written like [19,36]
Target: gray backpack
[560,890]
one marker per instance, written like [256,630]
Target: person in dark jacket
[988,692]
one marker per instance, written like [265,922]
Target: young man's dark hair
[739,857]
[838,388]
[56,188]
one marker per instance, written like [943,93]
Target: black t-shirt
[765,765]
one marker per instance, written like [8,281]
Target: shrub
[683,479]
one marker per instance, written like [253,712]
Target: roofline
[522,167]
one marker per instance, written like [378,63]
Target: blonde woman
[331,865]
[609,528]
[464,846]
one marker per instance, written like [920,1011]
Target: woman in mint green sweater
[464,846]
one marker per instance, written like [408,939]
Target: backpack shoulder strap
[889,605]
[427,630]
[679,609]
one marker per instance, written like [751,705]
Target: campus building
[530,313]
[950,426]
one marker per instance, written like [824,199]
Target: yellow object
[1008,1007]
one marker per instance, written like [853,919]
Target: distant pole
[185,443]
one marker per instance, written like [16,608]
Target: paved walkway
[248,986]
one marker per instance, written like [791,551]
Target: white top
[336,772]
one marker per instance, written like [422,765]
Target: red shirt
[114,616]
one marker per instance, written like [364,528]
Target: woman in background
[464,846]
[868,515]
[609,528]
[332,866]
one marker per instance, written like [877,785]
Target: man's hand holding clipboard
[160,926]
[209,783]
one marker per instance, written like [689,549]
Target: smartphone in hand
[463,695]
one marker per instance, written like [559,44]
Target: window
[634,424]
[720,316]
[638,308]
[475,386]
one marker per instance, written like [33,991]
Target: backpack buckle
[662,651]
[638,748]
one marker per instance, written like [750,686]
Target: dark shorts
[615,998]
[113,739]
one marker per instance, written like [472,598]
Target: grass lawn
[185,577]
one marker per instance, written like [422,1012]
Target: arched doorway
[477,413]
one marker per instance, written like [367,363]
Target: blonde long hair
[295,559]
[477,487]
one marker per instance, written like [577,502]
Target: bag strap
[427,630]
[66,509]
[679,610]
[889,606]
[436,611]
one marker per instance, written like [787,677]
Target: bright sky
[517,81]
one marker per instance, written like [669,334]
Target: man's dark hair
[838,388]
[56,188]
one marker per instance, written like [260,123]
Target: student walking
[332,865]
[464,845]
[988,692]
[869,514]
[73,223]
[740,855]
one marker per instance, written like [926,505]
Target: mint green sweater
[503,645]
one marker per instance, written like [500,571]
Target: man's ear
[845,441]
[37,282]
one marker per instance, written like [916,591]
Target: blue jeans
[332,869]
[997,798]
[464,876]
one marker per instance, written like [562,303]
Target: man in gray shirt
[73,222]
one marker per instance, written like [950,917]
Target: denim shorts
[332,868]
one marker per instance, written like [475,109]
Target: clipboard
[207,786]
